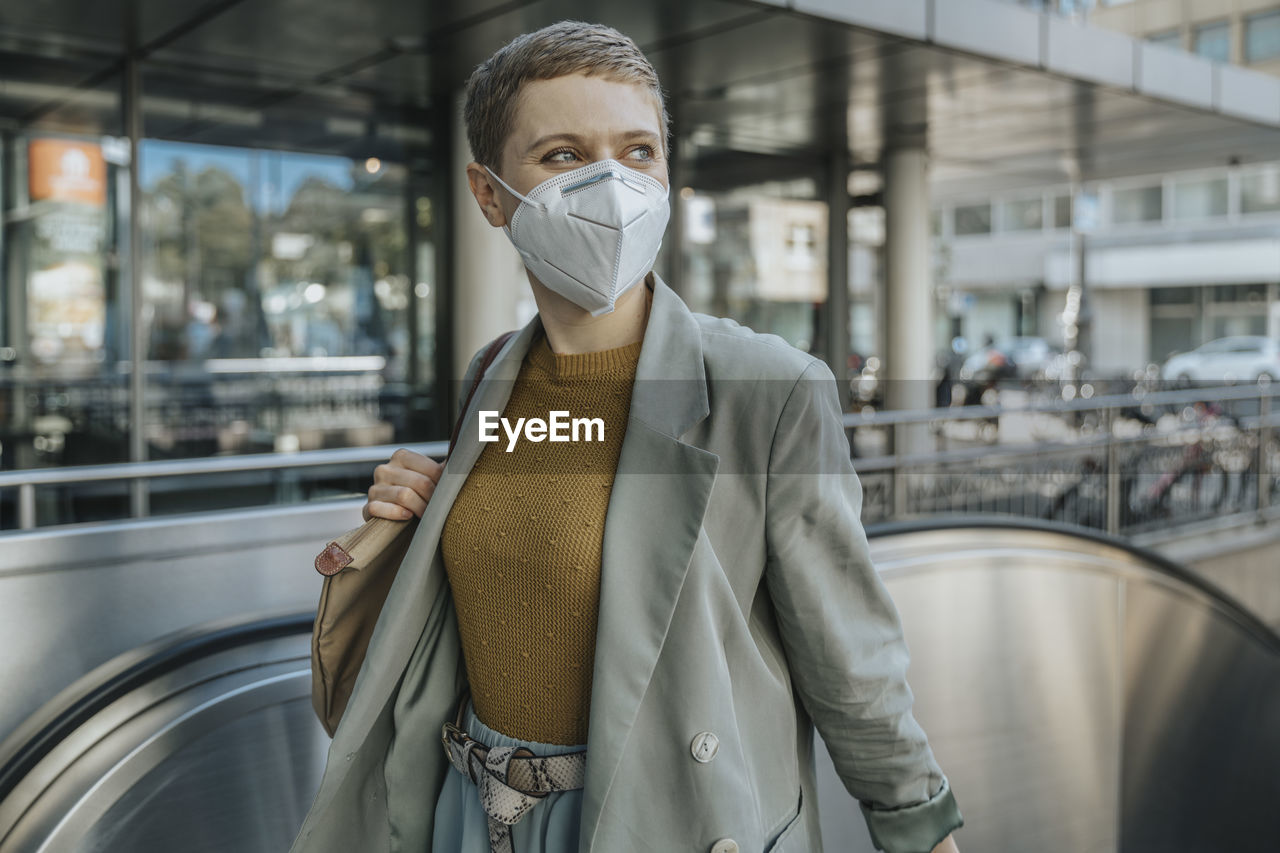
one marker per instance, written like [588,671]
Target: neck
[571,329]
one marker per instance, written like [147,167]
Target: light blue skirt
[461,825]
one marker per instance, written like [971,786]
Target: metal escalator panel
[215,748]
[1081,694]
[1201,729]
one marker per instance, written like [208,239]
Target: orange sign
[62,170]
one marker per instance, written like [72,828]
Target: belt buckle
[447,731]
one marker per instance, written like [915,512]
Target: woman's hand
[402,486]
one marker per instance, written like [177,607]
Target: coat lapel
[659,497]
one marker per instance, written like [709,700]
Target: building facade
[1172,260]
[1241,32]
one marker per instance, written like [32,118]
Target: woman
[659,609]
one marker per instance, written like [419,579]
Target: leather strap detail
[332,560]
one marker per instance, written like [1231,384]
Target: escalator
[203,741]
[1081,694]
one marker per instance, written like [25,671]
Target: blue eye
[560,155]
[643,152]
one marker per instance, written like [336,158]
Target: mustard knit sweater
[522,547]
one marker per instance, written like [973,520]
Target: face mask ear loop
[523,198]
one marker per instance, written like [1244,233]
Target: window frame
[1199,29]
[1249,22]
[1172,38]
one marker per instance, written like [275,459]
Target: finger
[401,495]
[383,509]
[420,483]
[417,462]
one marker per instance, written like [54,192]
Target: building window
[973,219]
[1173,295]
[1236,309]
[1255,295]
[1213,41]
[1200,198]
[1174,320]
[1137,204]
[1262,37]
[1260,191]
[1026,214]
[1062,211]
[1167,38]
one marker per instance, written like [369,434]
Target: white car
[1248,358]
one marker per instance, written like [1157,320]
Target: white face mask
[590,234]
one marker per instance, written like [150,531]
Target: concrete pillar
[908,309]
[909,322]
[490,291]
[838,206]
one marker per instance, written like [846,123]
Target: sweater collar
[670,389]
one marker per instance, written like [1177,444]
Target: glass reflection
[276,299]
[759,255]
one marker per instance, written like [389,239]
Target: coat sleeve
[840,629]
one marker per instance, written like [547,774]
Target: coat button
[725,845]
[704,748]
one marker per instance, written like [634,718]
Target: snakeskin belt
[511,780]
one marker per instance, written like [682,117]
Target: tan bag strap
[489,355]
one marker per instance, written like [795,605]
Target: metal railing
[1124,463]
[27,481]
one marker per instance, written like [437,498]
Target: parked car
[1248,358]
[985,367]
[1021,357]
[1030,355]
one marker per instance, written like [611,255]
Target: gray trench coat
[737,598]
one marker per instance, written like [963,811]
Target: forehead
[587,106]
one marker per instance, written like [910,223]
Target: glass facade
[758,254]
[282,275]
[65,308]
[286,269]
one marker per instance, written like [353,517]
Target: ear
[485,189]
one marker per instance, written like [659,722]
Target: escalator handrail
[96,690]
[1153,560]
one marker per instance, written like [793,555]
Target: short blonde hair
[567,47]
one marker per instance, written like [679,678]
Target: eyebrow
[578,140]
